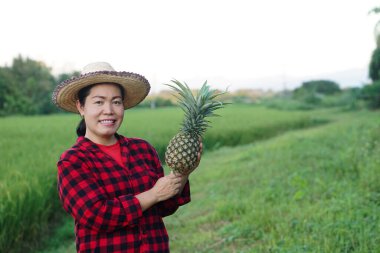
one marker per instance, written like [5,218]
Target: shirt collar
[89,145]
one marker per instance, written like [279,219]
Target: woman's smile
[107,122]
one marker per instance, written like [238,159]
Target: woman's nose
[108,108]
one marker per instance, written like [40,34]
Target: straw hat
[136,86]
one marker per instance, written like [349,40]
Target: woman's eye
[98,102]
[117,102]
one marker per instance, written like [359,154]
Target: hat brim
[136,88]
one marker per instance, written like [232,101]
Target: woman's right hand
[167,187]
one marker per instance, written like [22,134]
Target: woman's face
[103,113]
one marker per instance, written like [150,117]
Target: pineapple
[182,152]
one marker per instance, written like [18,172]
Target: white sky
[230,43]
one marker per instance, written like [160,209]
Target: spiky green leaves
[196,108]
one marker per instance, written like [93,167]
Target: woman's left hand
[183,178]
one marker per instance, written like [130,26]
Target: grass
[313,190]
[310,190]
[30,147]
[239,124]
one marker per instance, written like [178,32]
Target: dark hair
[82,94]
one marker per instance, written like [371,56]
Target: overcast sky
[236,43]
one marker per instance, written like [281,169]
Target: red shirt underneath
[113,151]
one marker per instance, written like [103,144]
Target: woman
[113,186]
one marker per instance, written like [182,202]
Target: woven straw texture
[136,88]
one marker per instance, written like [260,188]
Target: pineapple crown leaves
[196,108]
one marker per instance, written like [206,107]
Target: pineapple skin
[182,153]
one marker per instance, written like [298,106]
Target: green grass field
[316,189]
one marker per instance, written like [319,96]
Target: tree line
[27,85]
[372,92]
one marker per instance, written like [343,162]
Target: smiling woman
[102,112]
[113,186]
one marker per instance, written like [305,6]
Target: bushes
[26,88]
[347,99]
[371,94]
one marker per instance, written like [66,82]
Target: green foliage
[64,76]
[27,87]
[286,103]
[374,10]
[241,99]
[315,87]
[30,148]
[374,66]
[371,94]
[6,85]
[156,102]
[311,98]
[312,190]
[246,123]
[312,93]
[196,108]
[348,99]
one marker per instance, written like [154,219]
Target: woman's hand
[165,188]
[168,186]
[184,179]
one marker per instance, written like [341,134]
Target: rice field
[30,147]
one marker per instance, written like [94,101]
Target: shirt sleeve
[170,206]
[87,202]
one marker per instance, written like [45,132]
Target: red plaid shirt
[99,194]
